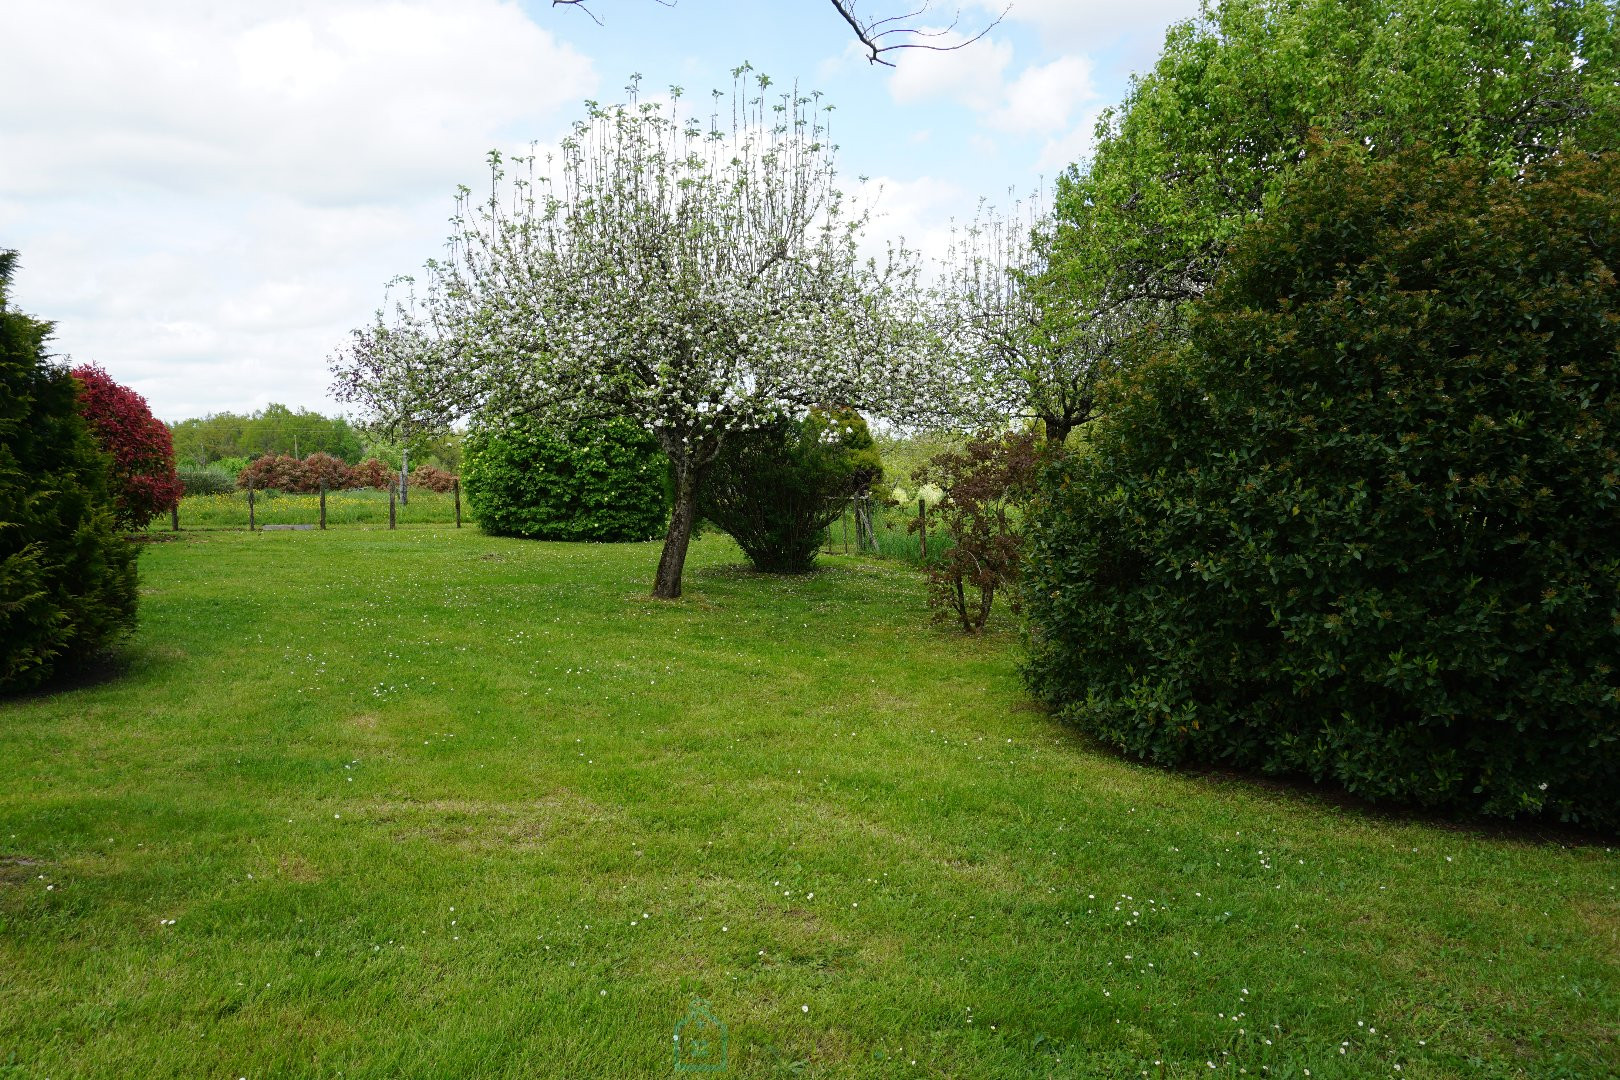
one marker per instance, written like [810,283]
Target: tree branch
[876,35]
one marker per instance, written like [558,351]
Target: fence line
[254,509]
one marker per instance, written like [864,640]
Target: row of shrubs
[282,472]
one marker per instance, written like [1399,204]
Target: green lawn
[431,804]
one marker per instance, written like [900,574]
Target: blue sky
[208,195]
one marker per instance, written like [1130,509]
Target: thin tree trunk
[1057,430]
[667,586]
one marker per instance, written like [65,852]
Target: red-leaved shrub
[434,479]
[144,480]
[281,472]
[322,468]
[373,473]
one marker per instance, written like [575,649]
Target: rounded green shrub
[67,577]
[776,489]
[601,481]
[206,480]
[1366,527]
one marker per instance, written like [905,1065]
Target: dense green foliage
[275,429]
[67,578]
[205,480]
[775,489]
[1367,527]
[1204,139]
[601,481]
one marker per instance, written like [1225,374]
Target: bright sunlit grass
[431,804]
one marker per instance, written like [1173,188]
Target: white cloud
[328,101]
[1041,99]
[1087,25]
[208,196]
[1073,145]
[1038,101]
[918,212]
[971,76]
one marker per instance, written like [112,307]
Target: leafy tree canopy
[1202,142]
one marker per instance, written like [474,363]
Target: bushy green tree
[603,480]
[776,489]
[1366,527]
[67,578]
[1205,138]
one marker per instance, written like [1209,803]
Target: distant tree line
[277,431]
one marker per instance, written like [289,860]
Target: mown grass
[431,804]
[365,506]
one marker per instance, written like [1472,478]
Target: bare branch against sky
[878,34]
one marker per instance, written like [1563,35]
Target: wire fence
[249,509]
[871,526]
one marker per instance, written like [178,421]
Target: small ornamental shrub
[432,478]
[206,481]
[377,474]
[282,472]
[600,481]
[322,468]
[67,578]
[776,489]
[142,451]
[1366,528]
[279,472]
[979,489]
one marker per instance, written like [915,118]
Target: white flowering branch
[699,276]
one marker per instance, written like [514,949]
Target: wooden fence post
[174,516]
[392,495]
[250,505]
[323,504]
[456,484]
[922,528]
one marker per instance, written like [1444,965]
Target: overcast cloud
[208,196]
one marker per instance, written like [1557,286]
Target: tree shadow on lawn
[1299,790]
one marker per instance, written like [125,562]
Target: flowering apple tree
[701,277]
[1019,337]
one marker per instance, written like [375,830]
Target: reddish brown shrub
[983,483]
[279,471]
[434,479]
[322,468]
[373,473]
[143,478]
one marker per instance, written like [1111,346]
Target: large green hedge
[1366,528]
[601,481]
[775,489]
[67,577]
